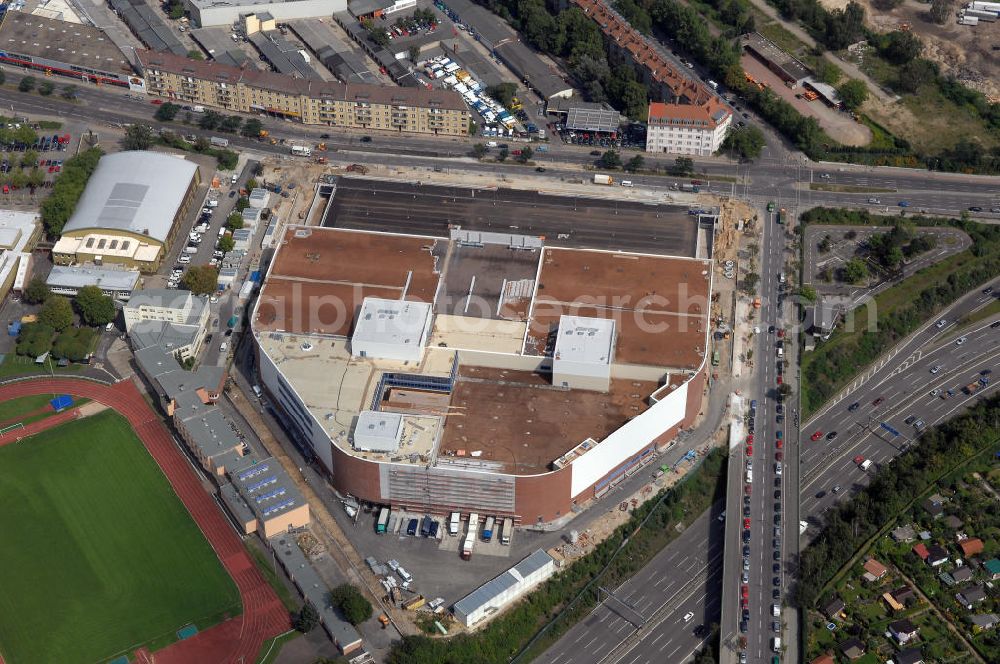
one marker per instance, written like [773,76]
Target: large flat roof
[320,277]
[71,276]
[138,192]
[61,41]
[588,340]
[659,304]
[520,423]
[395,322]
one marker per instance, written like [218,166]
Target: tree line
[54,331]
[67,189]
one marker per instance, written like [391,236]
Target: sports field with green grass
[98,556]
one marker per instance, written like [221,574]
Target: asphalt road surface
[375,205]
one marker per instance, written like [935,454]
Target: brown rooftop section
[320,276]
[268,80]
[519,419]
[61,41]
[659,304]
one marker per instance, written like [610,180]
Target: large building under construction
[483,371]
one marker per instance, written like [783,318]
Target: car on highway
[779,456]
[776,581]
[987,290]
[961,340]
[975,208]
[770,329]
[746,536]
[936,368]
[874,201]
[941,323]
[776,568]
[748,489]
[746,576]
[903,204]
[816,436]
[749,450]
[366,139]
[776,555]
[995,209]
[776,593]
[878,402]
[779,434]
[853,407]
[746,549]
[779,444]
[746,523]
[831,435]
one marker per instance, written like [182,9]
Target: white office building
[687,129]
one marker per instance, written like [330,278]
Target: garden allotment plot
[98,556]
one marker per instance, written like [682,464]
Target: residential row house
[360,106]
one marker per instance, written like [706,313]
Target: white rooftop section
[391,329]
[15,226]
[587,340]
[69,279]
[137,192]
[376,431]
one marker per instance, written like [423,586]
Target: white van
[404,575]
[223,347]
[749,477]
[256,390]
[626,183]
[234,178]
[776,644]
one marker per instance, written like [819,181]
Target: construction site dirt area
[966,52]
[571,221]
[320,277]
[520,421]
[841,127]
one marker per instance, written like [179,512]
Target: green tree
[635,164]
[56,313]
[352,604]
[27,84]
[94,307]
[611,160]
[167,112]
[306,619]
[29,159]
[201,279]
[683,166]
[747,142]
[35,339]
[855,271]
[252,184]
[900,47]
[227,159]
[807,293]
[478,150]
[414,53]
[503,153]
[252,128]
[234,222]
[138,137]
[226,243]
[210,120]
[176,10]
[940,10]
[242,203]
[36,291]
[526,155]
[73,344]
[231,124]
[503,93]
[46,88]
[69,92]
[853,93]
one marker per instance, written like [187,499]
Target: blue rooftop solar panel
[269,495]
[253,472]
[277,508]
[256,486]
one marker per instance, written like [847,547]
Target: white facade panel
[628,440]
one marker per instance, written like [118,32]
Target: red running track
[238,639]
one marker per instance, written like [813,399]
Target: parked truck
[383,521]
[691,188]
[219,142]
[301,150]
[470,538]
[601,178]
[454,521]
[782,216]
[507,531]
[488,529]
